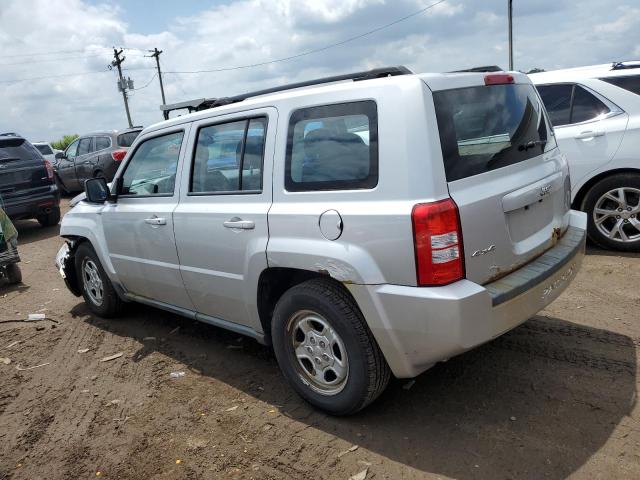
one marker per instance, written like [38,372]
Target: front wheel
[613,208]
[97,289]
[325,348]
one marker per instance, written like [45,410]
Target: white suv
[595,111]
[368,224]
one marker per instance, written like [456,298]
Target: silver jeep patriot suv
[363,225]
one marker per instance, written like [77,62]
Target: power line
[146,84]
[79,74]
[317,50]
[29,62]
[84,50]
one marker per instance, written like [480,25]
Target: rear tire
[50,219]
[613,210]
[14,274]
[345,370]
[97,289]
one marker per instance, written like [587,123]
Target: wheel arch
[578,200]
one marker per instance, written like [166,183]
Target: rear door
[504,172]
[22,169]
[221,221]
[589,128]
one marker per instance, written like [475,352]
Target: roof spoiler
[206,103]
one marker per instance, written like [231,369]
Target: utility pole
[510,34]
[156,53]
[122,84]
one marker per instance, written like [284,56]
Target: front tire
[97,289]
[613,209]
[325,348]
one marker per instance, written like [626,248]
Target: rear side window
[126,139]
[44,149]
[586,106]
[632,83]
[229,157]
[557,100]
[102,143]
[152,169]
[333,147]
[486,128]
[17,149]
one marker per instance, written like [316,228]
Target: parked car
[376,225]
[93,155]
[47,151]
[596,114]
[27,187]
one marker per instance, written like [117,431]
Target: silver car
[363,225]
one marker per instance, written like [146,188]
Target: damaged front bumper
[65,263]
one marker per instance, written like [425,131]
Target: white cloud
[453,35]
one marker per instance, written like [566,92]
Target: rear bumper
[417,327]
[32,205]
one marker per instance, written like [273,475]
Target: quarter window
[333,147]
[72,150]
[152,169]
[229,157]
[586,106]
[102,143]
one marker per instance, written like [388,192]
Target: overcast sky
[73,40]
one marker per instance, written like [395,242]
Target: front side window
[72,150]
[333,147]
[489,127]
[152,169]
[557,100]
[229,157]
[102,143]
[84,146]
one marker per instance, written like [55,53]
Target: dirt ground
[555,398]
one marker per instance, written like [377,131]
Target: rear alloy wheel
[325,348]
[613,206]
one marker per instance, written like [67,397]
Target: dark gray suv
[93,155]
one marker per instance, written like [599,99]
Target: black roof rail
[487,68]
[206,103]
[625,65]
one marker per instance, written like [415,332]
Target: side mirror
[96,190]
[59,156]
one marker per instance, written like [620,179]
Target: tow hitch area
[65,263]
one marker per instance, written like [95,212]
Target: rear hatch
[22,169]
[503,170]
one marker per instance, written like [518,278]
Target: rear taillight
[118,155]
[498,79]
[47,165]
[437,240]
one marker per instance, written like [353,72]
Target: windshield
[126,139]
[490,127]
[44,149]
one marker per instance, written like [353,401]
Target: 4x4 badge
[483,251]
[545,190]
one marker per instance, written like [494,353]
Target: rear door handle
[589,134]
[238,223]
[156,221]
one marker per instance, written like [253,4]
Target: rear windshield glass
[44,149]
[126,139]
[17,149]
[485,128]
[631,83]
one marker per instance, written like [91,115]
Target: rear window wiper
[533,143]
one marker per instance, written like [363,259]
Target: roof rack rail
[487,68]
[206,103]
[625,65]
